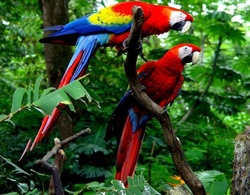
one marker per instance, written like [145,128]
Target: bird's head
[186,53]
[180,20]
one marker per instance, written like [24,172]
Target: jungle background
[211,110]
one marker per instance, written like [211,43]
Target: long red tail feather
[49,122]
[128,151]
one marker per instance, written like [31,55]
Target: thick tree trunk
[241,167]
[57,57]
[55,12]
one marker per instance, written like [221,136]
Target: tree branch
[241,168]
[173,143]
[55,169]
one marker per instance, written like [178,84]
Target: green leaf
[137,185]
[199,73]
[118,185]
[36,88]
[241,65]
[3,116]
[214,181]
[221,16]
[94,184]
[11,193]
[92,94]
[17,169]
[49,102]
[23,187]
[71,107]
[76,90]
[47,91]
[73,89]
[29,91]
[17,99]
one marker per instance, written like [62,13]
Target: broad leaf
[118,185]
[214,182]
[47,91]
[29,93]
[36,88]
[17,169]
[76,90]
[3,116]
[49,102]
[137,185]
[17,99]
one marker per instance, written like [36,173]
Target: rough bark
[179,190]
[241,166]
[172,141]
[55,186]
[57,57]
[60,157]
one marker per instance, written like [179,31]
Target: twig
[59,144]
[173,143]
[75,136]
[55,169]
[60,157]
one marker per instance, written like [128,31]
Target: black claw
[126,48]
[143,87]
[124,44]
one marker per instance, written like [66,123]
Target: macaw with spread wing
[162,81]
[108,27]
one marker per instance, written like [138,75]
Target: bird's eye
[181,14]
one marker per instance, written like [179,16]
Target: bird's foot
[142,88]
[126,48]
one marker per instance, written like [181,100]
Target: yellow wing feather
[107,16]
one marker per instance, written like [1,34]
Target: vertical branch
[173,143]
[60,157]
[241,164]
[55,170]
[56,56]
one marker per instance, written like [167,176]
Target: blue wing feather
[87,45]
[133,119]
[82,26]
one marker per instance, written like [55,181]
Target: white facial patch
[177,16]
[184,52]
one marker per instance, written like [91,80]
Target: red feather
[162,81]
[50,121]
[100,30]
[130,144]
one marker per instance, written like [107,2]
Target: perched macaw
[108,27]
[162,81]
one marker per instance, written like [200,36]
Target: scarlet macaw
[108,27]
[162,81]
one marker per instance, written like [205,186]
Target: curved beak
[192,57]
[195,58]
[182,26]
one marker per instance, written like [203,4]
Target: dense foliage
[214,98]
